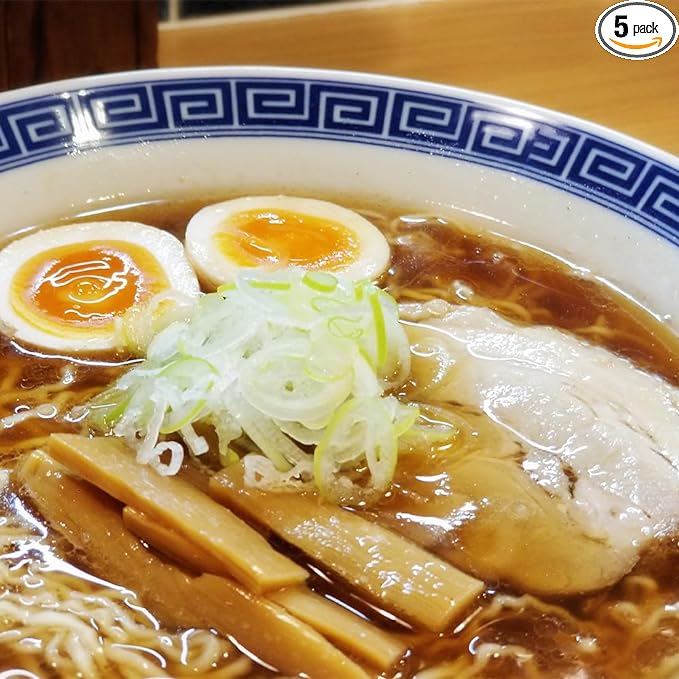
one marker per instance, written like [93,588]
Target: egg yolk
[278,238]
[85,285]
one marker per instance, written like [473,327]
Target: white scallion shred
[298,362]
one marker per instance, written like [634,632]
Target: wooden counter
[540,51]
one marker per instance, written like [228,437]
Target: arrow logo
[656,41]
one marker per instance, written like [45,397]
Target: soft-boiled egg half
[273,232]
[63,288]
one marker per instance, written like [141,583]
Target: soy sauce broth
[601,635]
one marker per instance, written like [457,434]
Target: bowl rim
[517,106]
[612,169]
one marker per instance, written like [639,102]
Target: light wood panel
[541,51]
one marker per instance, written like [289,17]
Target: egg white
[163,246]
[215,268]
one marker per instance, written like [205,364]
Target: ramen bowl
[531,382]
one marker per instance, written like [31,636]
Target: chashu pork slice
[596,472]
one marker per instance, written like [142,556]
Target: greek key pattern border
[571,159]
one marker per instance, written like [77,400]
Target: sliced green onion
[345,327]
[187,368]
[269,285]
[380,330]
[320,281]
[388,300]
[329,305]
[360,430]
[329,359]
[274,361]
[176,419]
[405,418]
[107,408]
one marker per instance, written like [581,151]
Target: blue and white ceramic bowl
[601,200]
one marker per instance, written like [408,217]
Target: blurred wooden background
[43,40]
[541,51]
